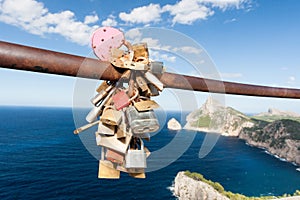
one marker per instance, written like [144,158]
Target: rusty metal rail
[13,56]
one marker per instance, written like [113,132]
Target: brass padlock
[106,129]
[112,142]
[145,104]
[114,156]
[107,170]
[137,175]
[103,86]
[122,128]
[140,51]
[111,116]
[121,58]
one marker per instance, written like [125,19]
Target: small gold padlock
[145,105]
[121,132]
[102,86]
[137,175]
[111,116]
[107,170]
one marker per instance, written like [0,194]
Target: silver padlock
[136,158]
[141,122]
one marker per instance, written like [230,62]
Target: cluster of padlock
[123,110]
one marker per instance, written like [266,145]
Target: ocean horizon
[41,158]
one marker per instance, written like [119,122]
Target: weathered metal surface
[20,57]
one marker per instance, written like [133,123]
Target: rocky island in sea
[193,186]
[276,131]
[173,124]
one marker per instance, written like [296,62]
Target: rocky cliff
[193,186]
[280,138]
[188,188]
[276,131]
[214,117]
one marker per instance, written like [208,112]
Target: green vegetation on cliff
[283,129]
[232,196]
[203,121]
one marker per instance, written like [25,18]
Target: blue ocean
[41,158]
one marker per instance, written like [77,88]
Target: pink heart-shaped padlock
[104,39]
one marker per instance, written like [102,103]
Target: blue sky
[249,41]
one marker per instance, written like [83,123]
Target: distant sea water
[40,158]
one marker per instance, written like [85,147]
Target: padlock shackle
[142,143]
[19,57]
[136,94]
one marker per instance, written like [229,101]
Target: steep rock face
[173,124]
[280,138]
[189,189]
[214,117]
[277,131]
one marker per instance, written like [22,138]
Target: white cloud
[133,34]
[188,11]
[91,19]
[151,42]
[144,14]
[224,4]
[182,12]
[157,55]
[110,21]
[33,17]
[168,58]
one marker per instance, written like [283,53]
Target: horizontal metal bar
[19,57]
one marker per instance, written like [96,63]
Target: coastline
[192,185]
[206,130]
[271,154]
[266,150]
